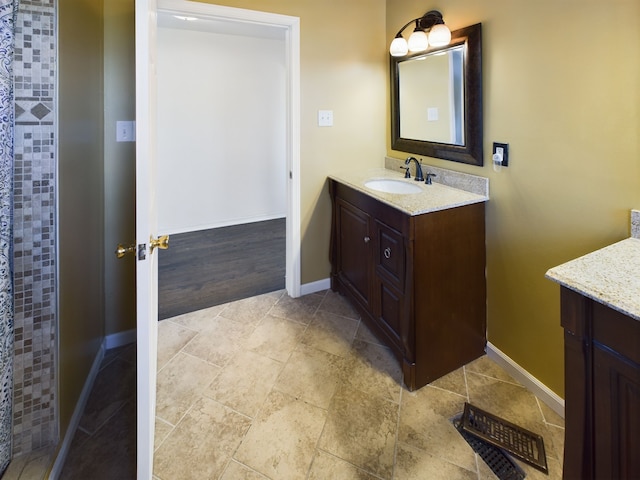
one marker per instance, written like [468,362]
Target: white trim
[539,389]
[61,456]
[120,339]
[292,279]
[229,223]
[292,42]
[314,287]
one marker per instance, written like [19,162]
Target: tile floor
[275,388]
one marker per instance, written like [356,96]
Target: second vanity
[413,265]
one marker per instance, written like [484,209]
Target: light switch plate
[125,131]
[325,118]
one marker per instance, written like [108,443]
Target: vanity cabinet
[418,281]
[602,390]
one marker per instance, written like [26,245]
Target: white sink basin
[392,186]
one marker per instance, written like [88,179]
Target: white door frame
[291,25]
[146,215]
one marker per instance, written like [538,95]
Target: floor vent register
[493,439]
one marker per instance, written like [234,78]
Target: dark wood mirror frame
[472,150]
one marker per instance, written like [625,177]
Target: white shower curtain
[8,12]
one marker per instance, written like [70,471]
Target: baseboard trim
[539,389]
[61,456]
[314,287]
[120,339]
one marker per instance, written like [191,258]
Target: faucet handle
[429,176]
[407,173]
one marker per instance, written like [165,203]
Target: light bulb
[418,41]
[398,47]
[439,36]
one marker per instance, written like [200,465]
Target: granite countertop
[431,199]
[610,276]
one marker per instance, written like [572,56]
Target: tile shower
[34,416]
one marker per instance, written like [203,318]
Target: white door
[146,224]
[146,213]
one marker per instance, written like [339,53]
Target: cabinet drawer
[617,331]
[390,255]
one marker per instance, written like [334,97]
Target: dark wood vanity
[418,281]
[602,390]
[600,314]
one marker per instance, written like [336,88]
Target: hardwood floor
[211,267]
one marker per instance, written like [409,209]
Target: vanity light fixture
[439,35]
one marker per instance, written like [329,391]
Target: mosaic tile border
[34,421]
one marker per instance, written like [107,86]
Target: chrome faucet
[419,175]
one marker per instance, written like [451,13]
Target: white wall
[221,129]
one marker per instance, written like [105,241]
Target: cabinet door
[616,382]
[390,266]
[354,250]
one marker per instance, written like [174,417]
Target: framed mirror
[436,100]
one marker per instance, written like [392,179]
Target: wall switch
[501,154]
[325,118]
[125,131]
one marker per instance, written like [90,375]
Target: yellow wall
[80,198]
[119,165]
[344,69]
[561,88]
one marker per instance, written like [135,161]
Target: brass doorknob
[121,251]
[161,242]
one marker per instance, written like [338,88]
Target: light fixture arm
[425,22]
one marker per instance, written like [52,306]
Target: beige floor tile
[413,464]
[171,339]
[237,471]
[361,429]
[425,424]
[328,467]
[251,310]
[113,387]
[282,440]
[327,405]
[202,443]
[550,416]
[331,333]
[367,335]
[199,319]
[219,340]
[453,382]
[180,383]
[31,466]
[275,337]
[508,401]
[374,370]
[245,382]
[338,305]
[162,431]
[299,310]
[554,442]
[485,366]
[312,375]
[517,405]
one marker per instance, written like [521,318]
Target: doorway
[146,197]
[221,160]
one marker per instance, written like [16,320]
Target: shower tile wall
[34,423]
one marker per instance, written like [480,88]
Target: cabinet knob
[387,252]
[367,239]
